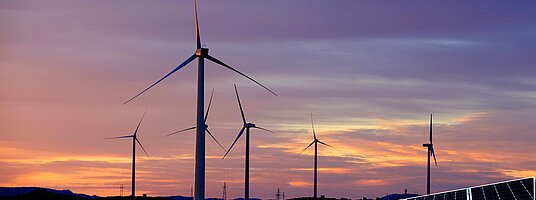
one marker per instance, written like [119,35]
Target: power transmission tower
[121,187]
[278,195]
[224,191]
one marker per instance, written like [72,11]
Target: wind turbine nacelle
[426,145]
[201,52]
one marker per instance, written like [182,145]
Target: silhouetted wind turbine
[430,147]
[315,142]
[246,126]
[201,53]
[134,140]
[204,124]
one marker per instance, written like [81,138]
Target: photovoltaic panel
[477,193]
[519,189]
[490,193]
[504,191]
[461,195]
[450,196]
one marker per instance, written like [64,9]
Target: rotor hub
[250,125]
[426,145]
[201,52]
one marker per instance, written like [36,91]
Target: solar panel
[450,196]
[519,189]
[461,195]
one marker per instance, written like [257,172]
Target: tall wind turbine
[204,124]
[200,53]
[430,147]
[134,141]
[247,126]
[315,142]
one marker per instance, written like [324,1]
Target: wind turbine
[247,126]
[204,124]
[134,140]
[430,147]
[315,142]
[200,53]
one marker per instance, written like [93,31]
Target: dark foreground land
[36,193]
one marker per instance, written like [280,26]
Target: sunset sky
[371,72]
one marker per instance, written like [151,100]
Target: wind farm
[371,72]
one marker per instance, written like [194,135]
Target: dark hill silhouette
[45,194]
[398,196]
[39,193]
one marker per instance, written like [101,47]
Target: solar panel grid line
[530,188]
[519,191]
[497,192]
[483,193]
[490,193]
[477,193]
[504,191]
[509,188]
[523,184]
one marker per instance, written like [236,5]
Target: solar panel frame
[520,189]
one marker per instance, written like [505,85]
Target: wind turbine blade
[233,69]
[313,125]
[240,104]
[433,154]
[209,133]
[325,144]
[430,128]
[305,148]
[263,129]
[139,123]
[237,137]
[142,147]
[197,36]
[126,136]
[209,103]
[173,71]
[186,129]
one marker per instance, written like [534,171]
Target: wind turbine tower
[134,141]
[430,147]
[246,126]
[315,142]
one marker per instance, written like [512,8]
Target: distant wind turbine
[204,124]
[430,147]
[134,141]
[201,53]
[315,142]
[246,126]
